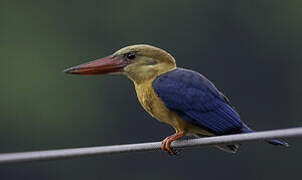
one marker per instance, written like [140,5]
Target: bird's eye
[131,55]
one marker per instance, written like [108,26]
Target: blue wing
[196,100]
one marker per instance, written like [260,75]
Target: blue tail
[276,142]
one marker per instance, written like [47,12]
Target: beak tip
[69,70]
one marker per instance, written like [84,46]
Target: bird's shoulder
[187,84]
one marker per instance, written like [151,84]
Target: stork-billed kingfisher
[182,98]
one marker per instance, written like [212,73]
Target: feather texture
[197,100]
[194,98]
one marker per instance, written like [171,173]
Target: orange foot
[166,144]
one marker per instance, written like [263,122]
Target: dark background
[250,49]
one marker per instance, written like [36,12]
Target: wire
[128,148]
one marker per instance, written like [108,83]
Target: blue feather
[277,142]
[198,101]
[193,97]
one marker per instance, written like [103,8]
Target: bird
[181,98]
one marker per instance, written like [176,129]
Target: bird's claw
[166,146]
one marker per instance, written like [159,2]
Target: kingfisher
[181,98]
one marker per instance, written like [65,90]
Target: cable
[128,148]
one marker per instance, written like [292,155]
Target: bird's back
[193,97]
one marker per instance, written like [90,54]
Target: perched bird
[182,98]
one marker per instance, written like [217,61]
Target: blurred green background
[251,50]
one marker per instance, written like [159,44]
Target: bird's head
[138,62]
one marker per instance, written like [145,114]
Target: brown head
[138,62]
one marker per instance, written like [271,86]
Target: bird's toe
[166,146]
[169,149]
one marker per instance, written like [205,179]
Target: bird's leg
[166,144]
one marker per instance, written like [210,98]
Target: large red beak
[105,65]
